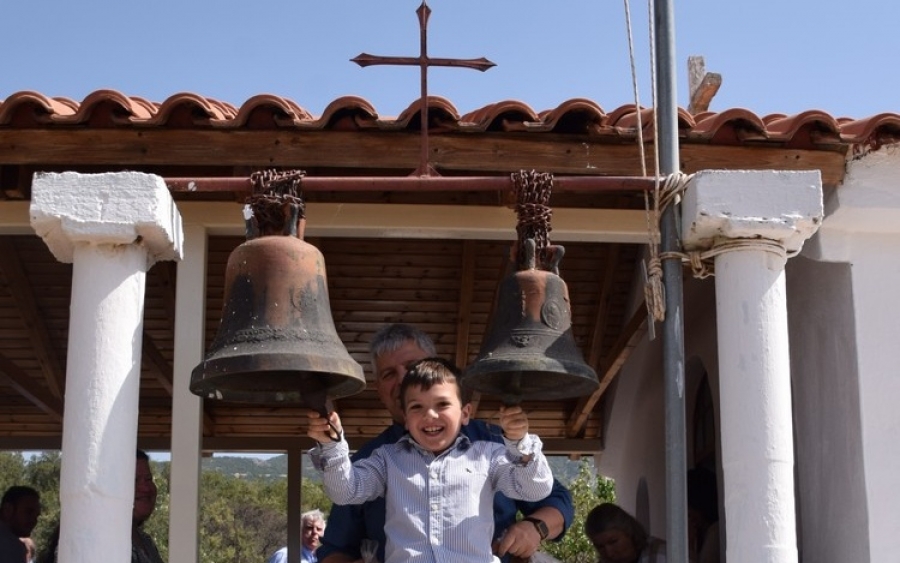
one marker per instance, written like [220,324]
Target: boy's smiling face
[435,415]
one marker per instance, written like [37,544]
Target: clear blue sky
[776,56]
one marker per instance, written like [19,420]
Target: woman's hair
[608,516]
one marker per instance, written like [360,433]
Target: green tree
[588,490]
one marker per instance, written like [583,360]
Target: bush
[588,490]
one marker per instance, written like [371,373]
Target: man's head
[433,403]
[144,490]
[313,522]
[19,509]
[393,348]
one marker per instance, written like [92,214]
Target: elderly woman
[619,538]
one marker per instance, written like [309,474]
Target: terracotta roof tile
[110,108]
[878,129]
[731,127]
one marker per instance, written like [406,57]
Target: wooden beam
[156,363]
[491,153]
[617,357]
[702,85]
[21,290]
[466,290]
[165,278]
[23,383]
[605,292]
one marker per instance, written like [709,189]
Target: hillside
[564,469]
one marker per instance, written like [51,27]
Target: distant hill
[564,469]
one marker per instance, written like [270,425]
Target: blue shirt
[306,555]
[438,506]
[349,525]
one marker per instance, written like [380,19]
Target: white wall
[634,438]
[846,341]
[828,434]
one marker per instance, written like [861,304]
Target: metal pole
[673,324]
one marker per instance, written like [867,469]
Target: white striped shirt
[439,508]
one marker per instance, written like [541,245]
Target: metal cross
[423,61]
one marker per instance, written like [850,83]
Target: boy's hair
[391,337]
[431,371]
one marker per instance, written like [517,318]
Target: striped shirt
[439,508]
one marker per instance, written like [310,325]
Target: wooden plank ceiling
[444,286]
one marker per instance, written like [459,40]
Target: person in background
[703,515]
[355,530]
[143,549]
[619,538]
[438,485]
[19,512]
[313,526]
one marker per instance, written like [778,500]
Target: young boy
[438,486]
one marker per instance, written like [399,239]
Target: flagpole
[673,324]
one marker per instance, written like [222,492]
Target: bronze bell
[529,351]
[276,342]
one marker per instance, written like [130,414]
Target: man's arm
[523,538]
[343,535]
[338,557]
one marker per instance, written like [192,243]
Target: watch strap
[540,525]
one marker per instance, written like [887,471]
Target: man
[143,549]
[313,526]
[19,511]
[356,531]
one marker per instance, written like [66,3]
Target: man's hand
[322,429]
[514,423]
[520,539]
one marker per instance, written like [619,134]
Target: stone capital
[116,208]
[784,207]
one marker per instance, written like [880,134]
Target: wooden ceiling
[445,285]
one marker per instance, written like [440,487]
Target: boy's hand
[513,422]
[322,429]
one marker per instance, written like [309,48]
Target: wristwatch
[541,526]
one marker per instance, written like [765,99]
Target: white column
[187,408]
[750,220]
[112,227]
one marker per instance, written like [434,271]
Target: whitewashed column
[752,220]
[112,228]
[187,408]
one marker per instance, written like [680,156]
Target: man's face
[312,531]
[390,368]
[22,516]
[144,492]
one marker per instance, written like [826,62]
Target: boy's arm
[529,476]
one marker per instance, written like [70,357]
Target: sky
[775,56]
